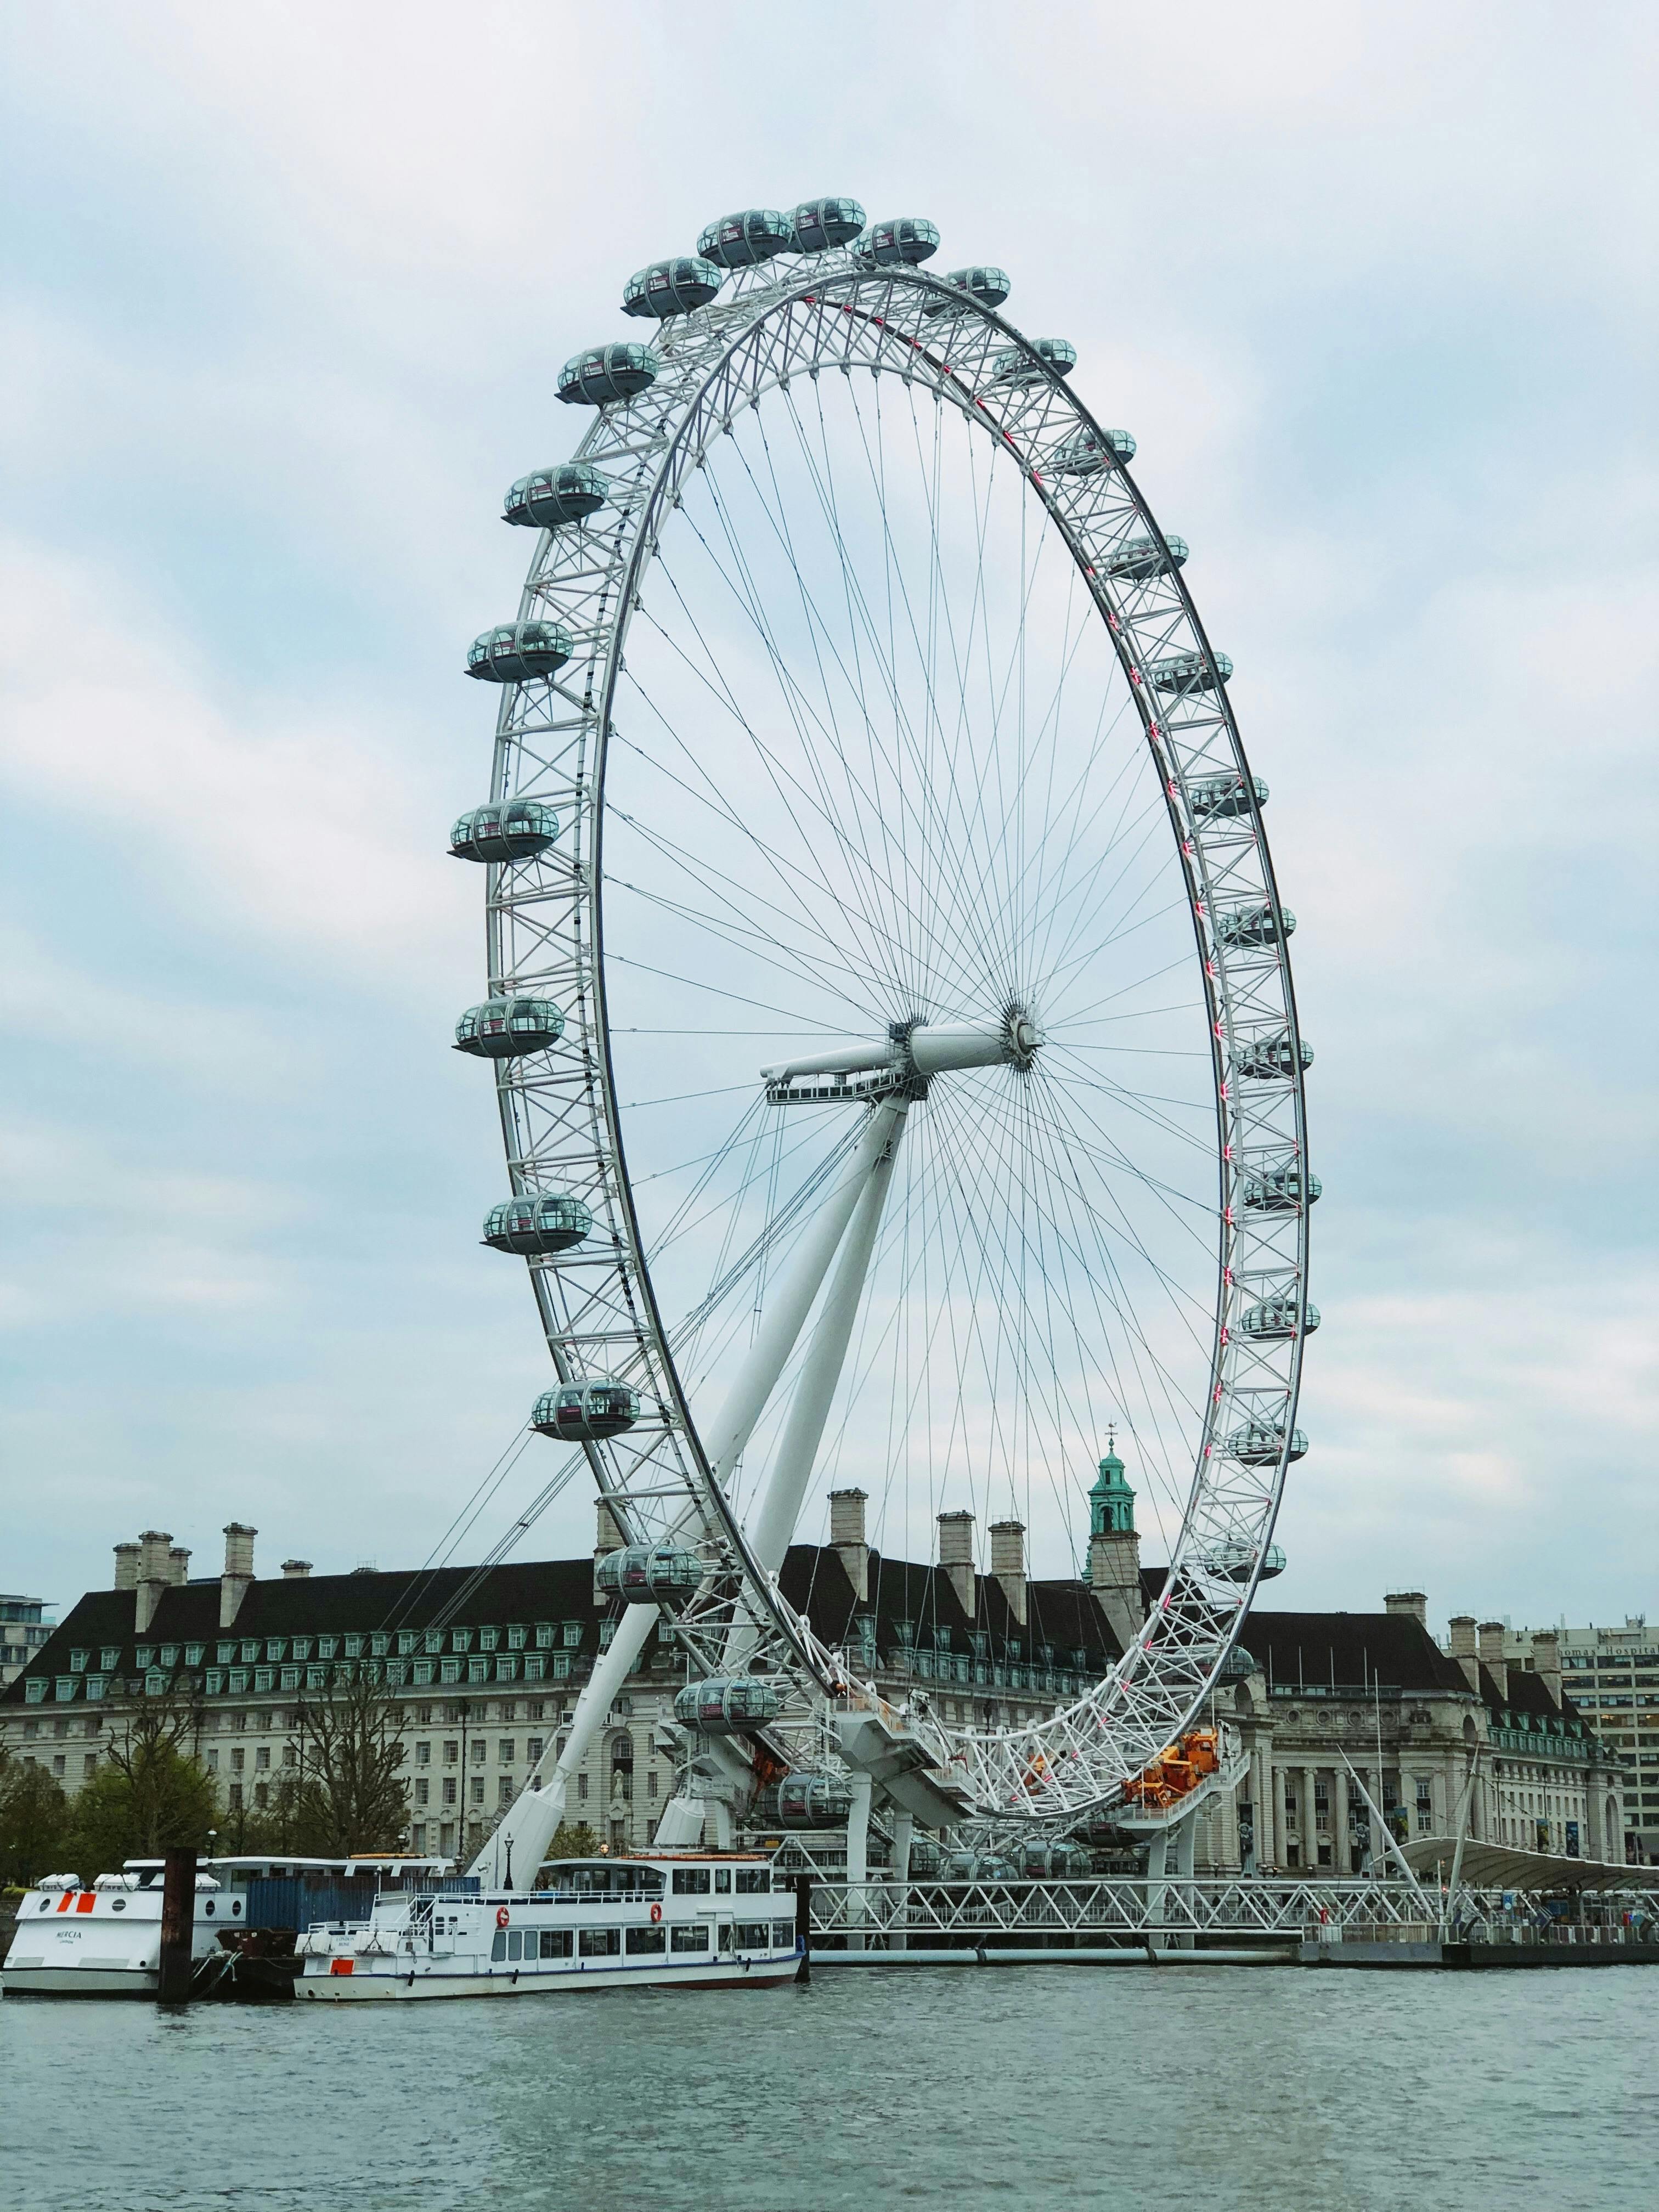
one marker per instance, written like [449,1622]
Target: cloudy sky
[286,290]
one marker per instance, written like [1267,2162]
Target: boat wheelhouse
[661,1919]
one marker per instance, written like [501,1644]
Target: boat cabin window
[558,1943]
[753,1935]
[599,1943]
[723,1878]
[783,1935]
[692,1938]
[753,1880]
[604,1878]
[647,1942]
[690,1881]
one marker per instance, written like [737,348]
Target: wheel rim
[559,923]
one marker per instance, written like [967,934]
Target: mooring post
[803,1924]
[178,1927]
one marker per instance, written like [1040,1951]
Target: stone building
[1345,1706]
[1613,1677]
[23,1629]
[484,1666]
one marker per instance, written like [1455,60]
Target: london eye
[888,999]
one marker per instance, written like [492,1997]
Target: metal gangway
[1131,1917]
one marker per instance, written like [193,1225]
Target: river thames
[1220,2087]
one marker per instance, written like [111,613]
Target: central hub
[909,1058]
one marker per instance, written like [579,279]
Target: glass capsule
[821,225]
[727,1704]
[1273,1057]
[649,1574]
[741,241]
[1256,925]
[1271,1319]
[1014,365]
[514,830]
[671,288]
[989,286]
[1090,450]
[1280,1190]
[814,1801]
[1210,796]
[585,1413]
[536,1223]
[603,373]
[1139,559]
[1191,671]
[906,239]
[507,1029]
[516,653]
[549,498]
[1259,1444]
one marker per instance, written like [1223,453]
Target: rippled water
[1214,2086]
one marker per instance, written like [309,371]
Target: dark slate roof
[1527,1694]
[1061,1614]
[1316,1649]
[531,1592]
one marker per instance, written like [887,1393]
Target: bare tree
[153,1792]
[350,1794]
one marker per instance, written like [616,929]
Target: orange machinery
[1177,1770]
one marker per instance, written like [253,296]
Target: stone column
[1305,1822]
[1281,1823]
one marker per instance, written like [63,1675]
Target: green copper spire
[1111,1502]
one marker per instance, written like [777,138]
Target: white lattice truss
[965,1913]
[559,1108]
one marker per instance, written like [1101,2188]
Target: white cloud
[296,285]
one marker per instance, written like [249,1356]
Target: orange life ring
[503,1916]
[656,1914]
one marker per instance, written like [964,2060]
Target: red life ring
[656,1913]
[503,1916]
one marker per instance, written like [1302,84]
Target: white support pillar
[774,1528]
[791,1298]
[904,1829]
[528,1828]
[858,1859]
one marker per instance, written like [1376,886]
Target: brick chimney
[1008,1563]
[955,1556]
[1465,1650]
[1546,1661]
[295,1571]
[1491,1655]
[178,1565]
[155,1575]
[846,1538]
[1414,1603]
[238,1569]
[126,1566]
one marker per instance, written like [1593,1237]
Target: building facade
[1613,1677]
[1339,1712]
[24,1629]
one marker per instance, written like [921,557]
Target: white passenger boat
[664,1918]
[105,1940]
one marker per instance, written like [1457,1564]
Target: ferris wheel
[889,992]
